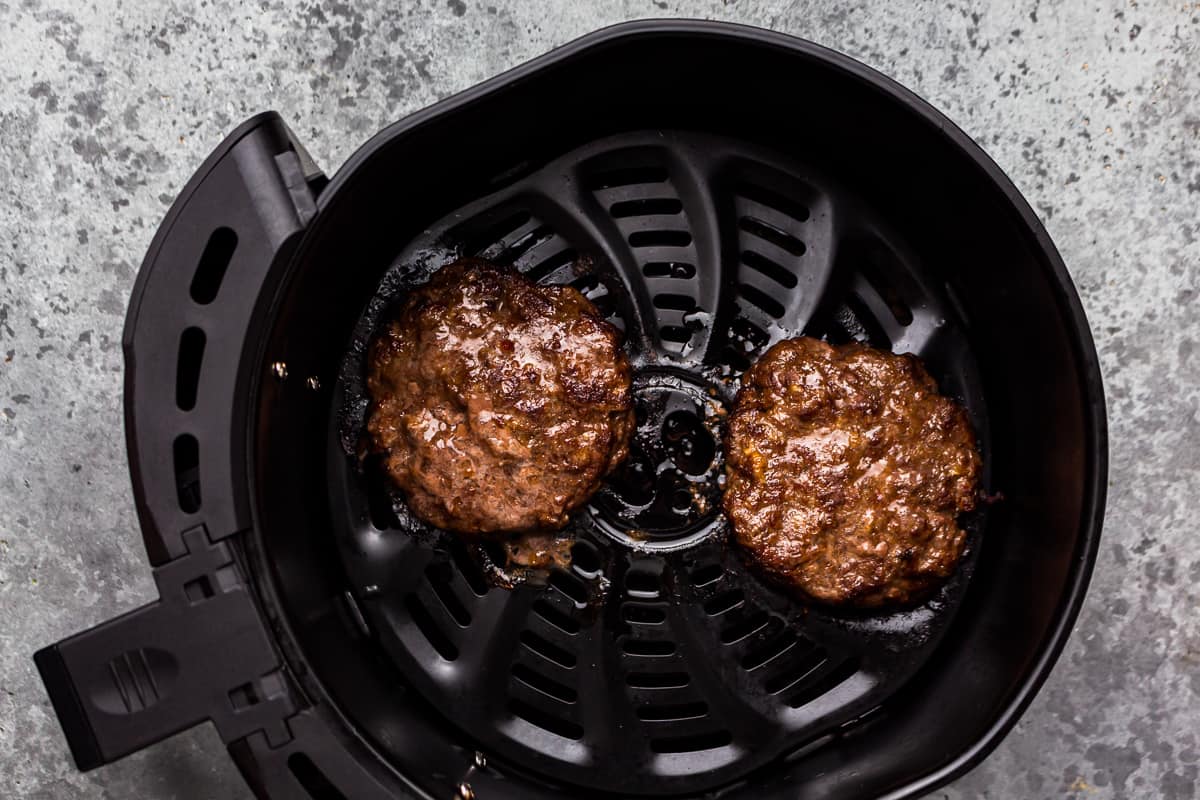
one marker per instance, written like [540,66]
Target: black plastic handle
[202,651]
[198,653]
[190,317]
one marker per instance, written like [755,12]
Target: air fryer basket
[713,189]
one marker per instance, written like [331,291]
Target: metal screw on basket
[313,382]
[279,370]
[465,792]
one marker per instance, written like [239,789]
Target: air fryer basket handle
[191,314]
[202,651]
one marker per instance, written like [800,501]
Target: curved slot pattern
[673,713]
[469,570]
[421,617]
[769,225]
[547,722]
[379,500]
[439,575]
[801,662]
[654,206]
[585,558]
[214,262]
[548,650]
[674,302]
[625,176]
[775,643]
[660,239]
[761,299]
[824,684]
[767,232]
[707,574]
[770,269]
[657,680]
[187,368]
[547,686]
[726,601]
[675,333]
[649,648]
[544,269]
[571,587]
[635,187]
[691,743]
[186,452]
[747,625]
[883,271]
[669,269]
[787,206]
[523,245]
[489,231]
[564,622]
[638,614]
[642,584]
[862,324]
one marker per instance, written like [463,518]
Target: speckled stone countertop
[106,108]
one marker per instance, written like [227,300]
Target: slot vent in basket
[776,236]
[866,328]
[672,713]
[603,178]
[570,586]
[436,637]
[544,269]
[439,576]
[638,614]
[547,686]
[663,238]
[692,743]
[546,721]
[823,684]
[769,268]
[489,232]
[747,624]
[723,602]
[762,300]
[883,272]
[659,206]
[763,196]
[548,650]
[523,245]
[657,680]
[709,573]
[801,662]
[556,617]
[648,648]
[669,269]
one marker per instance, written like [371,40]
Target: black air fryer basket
[713,189]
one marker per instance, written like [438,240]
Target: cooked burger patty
[847,472]
[499,405]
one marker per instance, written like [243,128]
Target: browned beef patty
[847,472]
[499,405]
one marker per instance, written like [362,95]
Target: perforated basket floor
[657,664]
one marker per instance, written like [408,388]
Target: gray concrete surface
[106,107]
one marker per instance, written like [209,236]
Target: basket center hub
[667,494]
